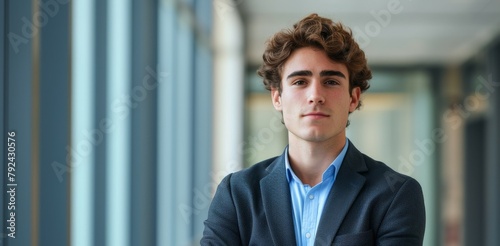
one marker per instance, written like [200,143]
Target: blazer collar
[278,203]
[342,195]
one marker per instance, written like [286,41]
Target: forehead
[311,59]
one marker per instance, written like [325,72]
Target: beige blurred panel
[382,129]
[265,135]
[453,182]
[453,163]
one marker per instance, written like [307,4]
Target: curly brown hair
[315,31]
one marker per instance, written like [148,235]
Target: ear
[355,95]
[276,98]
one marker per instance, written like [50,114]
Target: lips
[316,115]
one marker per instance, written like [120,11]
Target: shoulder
[398,202]
[243,188]
[253,173]
[377,174]
[381,174]
[381,184]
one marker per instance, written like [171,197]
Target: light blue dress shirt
[308,202]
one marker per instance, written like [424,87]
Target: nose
[316,94]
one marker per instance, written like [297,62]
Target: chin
[316,138]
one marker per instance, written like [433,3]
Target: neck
[309,160]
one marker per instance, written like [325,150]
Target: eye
[331,82]
[299,82]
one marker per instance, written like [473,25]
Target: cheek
[285,101]
[289,107]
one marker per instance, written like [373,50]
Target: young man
[321,190]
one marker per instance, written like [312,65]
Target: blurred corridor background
[128,113]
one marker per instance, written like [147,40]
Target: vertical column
[118,109]
[184,117]
[493,155]
[168,225]
[84,137]
[143,152]
[203,122]
[53,19]
[228,90]
[451,164]
[422,109]
[3,118]
[20,90]
[101,124]
[475,162]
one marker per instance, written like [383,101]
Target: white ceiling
[423,32]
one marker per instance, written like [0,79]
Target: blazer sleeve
[404,222]
[221,226]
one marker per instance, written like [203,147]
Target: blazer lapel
[277,203]
[343,193]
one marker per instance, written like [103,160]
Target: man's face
[315,98]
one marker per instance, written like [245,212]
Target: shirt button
[308,235]
[311,197]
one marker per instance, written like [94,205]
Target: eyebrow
[300,73]
[323,73]
[331,73]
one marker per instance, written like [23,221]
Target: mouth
[316,115]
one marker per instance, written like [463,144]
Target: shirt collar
[330,171]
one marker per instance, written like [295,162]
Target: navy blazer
[369,204]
